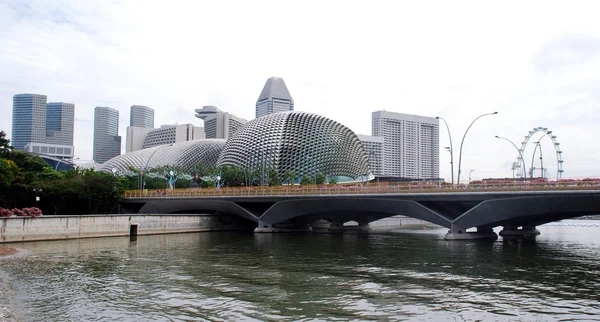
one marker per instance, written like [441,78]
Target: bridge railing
[370,188]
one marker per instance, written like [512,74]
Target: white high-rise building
[141,116]
[219,124]
[107,142]
[411,144]
[374,147]
[274,98]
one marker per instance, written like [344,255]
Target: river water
[390,274]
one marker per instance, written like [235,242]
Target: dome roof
[300,142]
[185,155]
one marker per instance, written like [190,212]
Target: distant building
[411,144]
[274,98]
[141,116]
[169,134]
[374,147]
[219,124]
[29,120]
[107,142]
[60,121]
[53,150]
[135,137]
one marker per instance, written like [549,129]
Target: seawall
[17,229]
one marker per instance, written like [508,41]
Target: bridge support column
[264,227]
[513,231]
[460,233]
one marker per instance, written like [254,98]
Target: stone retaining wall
[16,229]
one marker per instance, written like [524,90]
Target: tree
[306,180]
[231,175]
[333,180]
[289,177]
[5,146]
[8,172]
[320,178]
[273,176]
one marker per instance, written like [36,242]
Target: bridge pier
[362,226]
[264,227]
[513,231]
[460,233]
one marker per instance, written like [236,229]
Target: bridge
[518,208]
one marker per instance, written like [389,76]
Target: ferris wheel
[559,160]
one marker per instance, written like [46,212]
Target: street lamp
[470,175]
[450,149]
[524,171]
[463,141]
[537,144]
[141,183]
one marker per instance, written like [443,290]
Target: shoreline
[6,251]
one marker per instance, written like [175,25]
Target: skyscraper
[141,116]
[219,124]
[107,142]
[274,98]
[29,120]
[60,121]
[411,144]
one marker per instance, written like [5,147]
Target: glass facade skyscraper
[60,120]
[29,120]
[141,116]
[274,98]
[107,142]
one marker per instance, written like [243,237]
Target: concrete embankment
[17,229]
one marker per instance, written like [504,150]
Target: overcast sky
[535,62]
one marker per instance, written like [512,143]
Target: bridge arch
[378,207]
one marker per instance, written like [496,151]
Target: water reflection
[386,275]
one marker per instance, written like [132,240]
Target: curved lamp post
[451,153]
[463,141]
[141,183]
[524,170]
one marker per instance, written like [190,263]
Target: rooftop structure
[274,98]
[218,124]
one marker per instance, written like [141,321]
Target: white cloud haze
[537,63]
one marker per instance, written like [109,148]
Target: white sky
[535,62]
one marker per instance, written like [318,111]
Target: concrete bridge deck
[480,207]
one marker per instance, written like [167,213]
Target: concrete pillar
[513,231]
[460,233]
[287,227]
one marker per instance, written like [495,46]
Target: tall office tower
[374,147]
[219,124]
[60,121]
[274,98]
[29,120]
[168,134]
[107,142]
[411,144]
[141,116]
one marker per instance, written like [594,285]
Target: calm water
[401,274]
